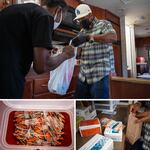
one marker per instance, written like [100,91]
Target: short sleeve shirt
[97,59]
[22,27]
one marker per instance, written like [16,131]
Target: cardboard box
[78,120]
[92,115]
[90,127]
[133,129]
[98,142]
[87,113]
[115,136]
[113,129]
[83,111]
[109,123]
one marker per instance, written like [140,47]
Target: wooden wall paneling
[112,17]
[129,88]
[115,20]
[142,42]
[118,59]
[147,41]
[117,29]
[72,3]
[98,12]
[139,43]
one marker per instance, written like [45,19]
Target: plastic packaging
[60,78]
[7,139]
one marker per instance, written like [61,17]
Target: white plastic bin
[6,119]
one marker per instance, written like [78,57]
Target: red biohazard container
[90,127]
[7,127]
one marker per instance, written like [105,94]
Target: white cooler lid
[38,104]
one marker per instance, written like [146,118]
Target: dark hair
[53,3]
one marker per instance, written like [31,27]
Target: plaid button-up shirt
[97,59]
[146,130]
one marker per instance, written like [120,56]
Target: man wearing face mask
[96,57]
[26,37]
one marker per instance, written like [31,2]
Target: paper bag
[133,129]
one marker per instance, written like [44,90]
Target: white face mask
[56,24]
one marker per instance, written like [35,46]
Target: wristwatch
[91,39]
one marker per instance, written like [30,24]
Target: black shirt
[22,27]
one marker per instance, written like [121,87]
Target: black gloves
[80,39]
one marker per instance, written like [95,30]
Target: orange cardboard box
[90,127]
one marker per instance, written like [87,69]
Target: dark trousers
[98,90]
[137,145]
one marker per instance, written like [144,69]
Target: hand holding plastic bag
[60,78]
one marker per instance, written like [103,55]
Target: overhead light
[139,19]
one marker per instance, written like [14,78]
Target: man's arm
[109,37]
[43,61]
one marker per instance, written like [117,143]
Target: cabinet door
[147,42]
[139,43]
[28,89]
[142,42]
[118,60]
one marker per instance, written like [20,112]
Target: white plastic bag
[60,78]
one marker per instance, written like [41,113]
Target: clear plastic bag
[60,78]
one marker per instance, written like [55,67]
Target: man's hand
[109,37]
[43,61]
[68,52]
[134,107]
[80,39]
[143,117]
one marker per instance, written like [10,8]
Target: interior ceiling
[136,11]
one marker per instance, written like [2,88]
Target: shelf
[141,63]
